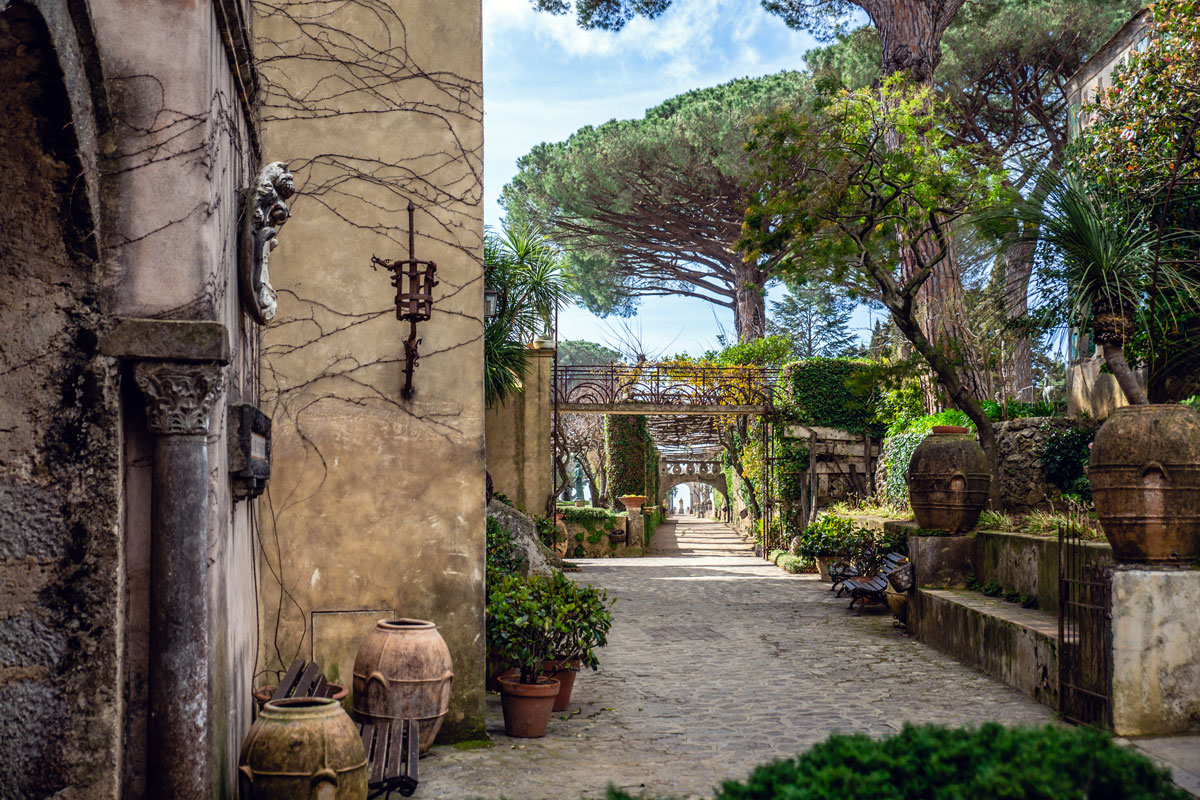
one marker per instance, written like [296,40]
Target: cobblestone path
[718,661]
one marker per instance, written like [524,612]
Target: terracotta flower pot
[302,747]
[565,675]
[823,563]
[263,693]
[1145,474]
[403,670]
[948,480]
[632,502]
[527,706]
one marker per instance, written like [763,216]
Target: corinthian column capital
[179,395]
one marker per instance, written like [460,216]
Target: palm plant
[526,271]
[1100,267]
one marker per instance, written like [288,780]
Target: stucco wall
[376,505]
[1156,651]
[520,458]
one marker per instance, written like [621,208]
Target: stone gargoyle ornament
[264,211]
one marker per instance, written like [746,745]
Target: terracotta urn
[403,670]
[1145,474]
[303,747]
[632,502]
[263,693]
[527,706]
[948,480]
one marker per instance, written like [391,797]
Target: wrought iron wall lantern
[414,282]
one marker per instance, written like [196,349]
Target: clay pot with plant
[521,632]
[1107,261]
[582,625]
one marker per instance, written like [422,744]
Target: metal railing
[664,385]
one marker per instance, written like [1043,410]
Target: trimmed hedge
[832,392]
[930,762]
[632,457]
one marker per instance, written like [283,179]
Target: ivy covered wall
[632,457]
[832,392]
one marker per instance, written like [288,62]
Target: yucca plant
[1100,265]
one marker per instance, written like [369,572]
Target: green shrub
[547,531]
[1015,409]
[835,536]
[831,392]
[503,557]
[990,762]
[1064,457]
[793,564]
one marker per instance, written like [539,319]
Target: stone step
[1016,645]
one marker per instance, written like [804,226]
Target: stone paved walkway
[718,661]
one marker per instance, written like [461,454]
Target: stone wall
[520,458]
[1023,482]
[376,506]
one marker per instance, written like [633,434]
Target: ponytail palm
[1100,267]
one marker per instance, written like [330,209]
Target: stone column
[179,399]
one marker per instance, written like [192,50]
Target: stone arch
[669,482]
[60,452]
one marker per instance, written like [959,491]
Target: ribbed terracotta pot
[948,480]
[527,706]
[403,670]
[1145,474]
[301,748]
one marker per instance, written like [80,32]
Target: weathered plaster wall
[177,154]
[376,505]
[520,458]
[59,448]
[1156,651]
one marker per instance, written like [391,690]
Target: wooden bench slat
[283,690]
[395,751]
[380,761]
[307,678]
[320,687]
[414,750]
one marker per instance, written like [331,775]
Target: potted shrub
[829,540]
[521,632]
[581,626]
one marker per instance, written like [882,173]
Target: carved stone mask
[264,212]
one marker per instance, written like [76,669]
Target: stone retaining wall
[1023,483]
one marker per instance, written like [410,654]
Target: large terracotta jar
[403,670]
[1145,476]
[303,747]
[948,480]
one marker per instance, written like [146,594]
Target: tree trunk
[1114,357]
[902,313]
[750,306]
[910,32]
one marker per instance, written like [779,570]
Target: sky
[544,78]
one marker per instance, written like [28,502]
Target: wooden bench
[873,589]
[838,573]
[392,747]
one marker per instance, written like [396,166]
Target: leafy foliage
[936,763]
[833,536]
[816,320]
[653,206]
[829,392]
[573,352]
[1015,409]
[503,557]
[546,618]
[632,458]
[1065,457]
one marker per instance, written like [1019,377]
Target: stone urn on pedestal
[948,480]
[1145,474]
[637,526]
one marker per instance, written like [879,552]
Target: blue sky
[544,78]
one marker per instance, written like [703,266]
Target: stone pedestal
[1156,651]
[942,562]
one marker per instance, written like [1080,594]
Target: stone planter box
[1028,564]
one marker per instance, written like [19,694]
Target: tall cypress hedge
[632,457]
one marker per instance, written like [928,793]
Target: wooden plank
[414,749]
[320,688]
[395,751]
[286,683]
[376,764]
[307,679]
[367,729]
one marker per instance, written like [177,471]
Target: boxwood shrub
[937,763]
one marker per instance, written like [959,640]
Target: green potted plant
[829,540]
[582,625]
[522,631]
